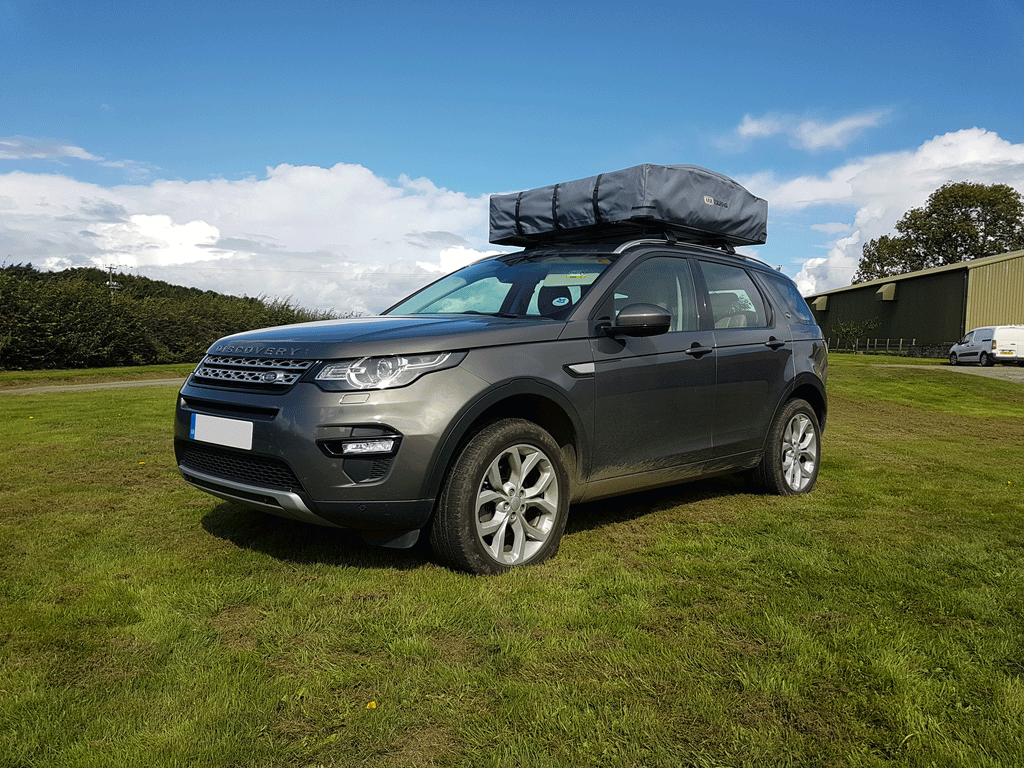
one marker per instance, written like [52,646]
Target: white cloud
[814,135]
[804,133]
[878,190]
[835,270]
[154,239]
[832,228]
[761,127]
[342,238]
[23,148]
[803,191]
[455,258]
[330,238]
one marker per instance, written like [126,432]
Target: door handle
[696,350]
[774,343]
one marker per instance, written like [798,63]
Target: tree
[853,330]
[961,221]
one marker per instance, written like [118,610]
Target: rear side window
[735,300]
[793,304]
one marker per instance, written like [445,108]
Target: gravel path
[92,387]
[1004,372]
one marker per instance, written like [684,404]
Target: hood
[386,335]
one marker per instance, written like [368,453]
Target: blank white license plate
[229,432]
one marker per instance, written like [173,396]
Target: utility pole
[110,281]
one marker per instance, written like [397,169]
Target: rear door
[754,350]
[1007,343]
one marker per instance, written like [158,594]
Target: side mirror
[640,320]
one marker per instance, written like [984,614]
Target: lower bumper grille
[262,471]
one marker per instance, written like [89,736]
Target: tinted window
[485,295]
[735,300]
[664,282]
[519,283]
[793,304]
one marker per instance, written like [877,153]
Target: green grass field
[878,621]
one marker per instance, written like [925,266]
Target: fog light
[384,445]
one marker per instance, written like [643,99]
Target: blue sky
[341,153]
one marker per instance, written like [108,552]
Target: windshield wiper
[489,314]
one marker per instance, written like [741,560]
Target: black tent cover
[689,202]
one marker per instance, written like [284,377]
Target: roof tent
[679,201]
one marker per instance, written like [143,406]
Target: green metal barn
[932,307]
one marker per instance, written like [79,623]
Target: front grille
[263,471]
[264,374]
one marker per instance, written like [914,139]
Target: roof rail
[627,233]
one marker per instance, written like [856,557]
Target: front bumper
[292,471]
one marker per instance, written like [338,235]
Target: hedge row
[72,319]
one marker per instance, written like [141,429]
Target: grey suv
[481,407]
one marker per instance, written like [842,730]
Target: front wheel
[952,358]
[505,501]
[792,452]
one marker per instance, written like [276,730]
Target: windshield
[515,285]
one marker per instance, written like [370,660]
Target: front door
[654,396]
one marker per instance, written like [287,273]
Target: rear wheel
[984,360]
[505,501]
[792,451]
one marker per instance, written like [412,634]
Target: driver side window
[664,282]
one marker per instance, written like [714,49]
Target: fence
[899,347]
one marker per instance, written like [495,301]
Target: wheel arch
[526,399]
[809,388]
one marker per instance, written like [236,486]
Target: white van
[986,346]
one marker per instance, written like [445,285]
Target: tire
[952,358]
[984,360]
[792,451]
[505,501]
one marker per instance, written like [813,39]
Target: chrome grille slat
[258,362]
[266,374]
[250,376]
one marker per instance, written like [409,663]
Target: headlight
[384,372]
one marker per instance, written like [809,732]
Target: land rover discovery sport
[479,408]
